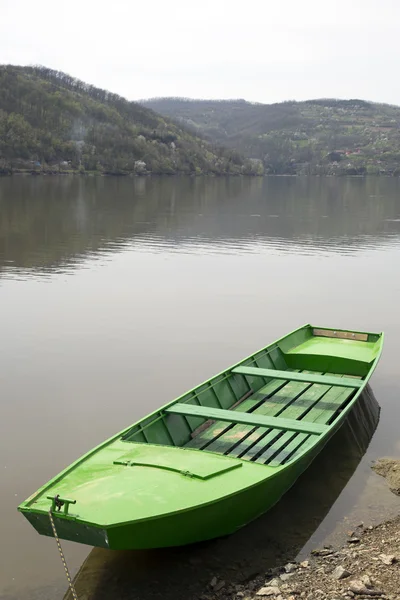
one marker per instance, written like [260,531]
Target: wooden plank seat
[333,380]
[246,418]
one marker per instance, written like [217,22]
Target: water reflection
[270,541]
[55,224]
[174,279]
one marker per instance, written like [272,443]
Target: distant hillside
[51,122]
[314,137]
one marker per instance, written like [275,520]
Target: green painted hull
[175,479]
[221,518]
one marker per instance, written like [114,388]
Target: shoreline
[27,173]
[23,173]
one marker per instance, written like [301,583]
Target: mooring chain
[64,562]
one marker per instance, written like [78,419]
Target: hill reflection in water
[56,224]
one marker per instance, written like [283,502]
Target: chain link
[64,562]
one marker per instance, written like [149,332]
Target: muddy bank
[389,468]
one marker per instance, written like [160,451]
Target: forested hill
[325,136]
[51,122]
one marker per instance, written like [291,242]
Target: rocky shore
[366,566]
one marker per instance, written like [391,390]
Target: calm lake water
[119,294]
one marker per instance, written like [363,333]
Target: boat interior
[272,406]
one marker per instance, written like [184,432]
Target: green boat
[217,457]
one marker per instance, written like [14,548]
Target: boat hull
[210,521]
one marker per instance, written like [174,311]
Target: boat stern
[330,350]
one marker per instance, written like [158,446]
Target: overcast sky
[260,50]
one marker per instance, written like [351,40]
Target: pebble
[286,576]
[323,552]
[358,587]
[219,586]
[273,571]
[353,540]
[340,573]
[305,564]
[213,582]
[269,591]
[290,567]
[387,559]
[366,581]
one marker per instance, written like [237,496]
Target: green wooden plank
[233,416]
[295,444]
[241,434]
[256,435]
[317,415]
[215,430]
[300,407]
[304,377]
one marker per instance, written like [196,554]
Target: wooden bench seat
[333,380]
[246,418]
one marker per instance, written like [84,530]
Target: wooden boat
[217,457]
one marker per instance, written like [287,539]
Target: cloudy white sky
[260,50]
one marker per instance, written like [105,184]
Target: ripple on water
[42,264]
